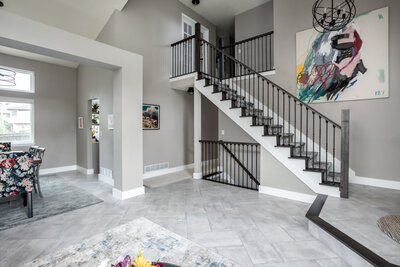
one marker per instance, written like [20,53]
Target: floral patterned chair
[5,147]
[16,177]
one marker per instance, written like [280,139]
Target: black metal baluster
[326,149]
[334,150]
[283,129]
[313,135]
[319,162]
[307,132]
[289,120]
[301,128]
[295,121]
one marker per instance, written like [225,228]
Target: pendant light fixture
[331,15]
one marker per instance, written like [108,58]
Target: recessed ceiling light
[195,2]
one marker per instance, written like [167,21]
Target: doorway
[188,29]
[94,111]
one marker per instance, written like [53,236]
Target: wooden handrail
[183,40]
[249,39]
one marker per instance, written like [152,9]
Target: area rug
[390,225]
[59,196]
[155,242]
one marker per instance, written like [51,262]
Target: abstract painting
[151,117]
[350,64]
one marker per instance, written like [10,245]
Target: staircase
[309,144]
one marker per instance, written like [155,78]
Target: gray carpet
[59,196]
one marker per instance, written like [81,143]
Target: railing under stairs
[233,163]
[311,136]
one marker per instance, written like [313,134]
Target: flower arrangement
[139,261]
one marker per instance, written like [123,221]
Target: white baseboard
[84,170]
[106,179]
[375,182]
[167,171]
[197,175]
[122,195]
[286,194]
[58,170]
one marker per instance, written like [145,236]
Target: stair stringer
[289,127]
[310,179]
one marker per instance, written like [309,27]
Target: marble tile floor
[357,217]
[247,227]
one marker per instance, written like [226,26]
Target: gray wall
[94,83]
[148,28]
[232,132]
[55,109]
[374,140]
[254,22]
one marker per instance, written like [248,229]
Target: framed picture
[151,117]
[80,122]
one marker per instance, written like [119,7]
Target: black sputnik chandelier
[331,15]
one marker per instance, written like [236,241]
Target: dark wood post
[197,36]
[221,60]
[344,164]
[30,205]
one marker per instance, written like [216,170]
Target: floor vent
[156,167]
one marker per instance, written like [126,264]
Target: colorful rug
[155,242]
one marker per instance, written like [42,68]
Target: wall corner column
[197,174]
[128,132]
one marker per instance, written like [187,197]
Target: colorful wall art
[151,117]
[349,64]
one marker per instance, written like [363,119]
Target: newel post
[344,164]
[197,36]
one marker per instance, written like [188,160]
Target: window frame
[31,73]
[23,101]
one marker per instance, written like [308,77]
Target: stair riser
[260,121]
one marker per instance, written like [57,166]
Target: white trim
[58,169]
[390,184]
[286,194]
[122,195]
[197,175]
[106,179]
[148,175]
[84,170]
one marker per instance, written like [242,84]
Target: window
[17,80]
[16,121]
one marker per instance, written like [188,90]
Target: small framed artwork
[110,118]
[151,117]
[80,122]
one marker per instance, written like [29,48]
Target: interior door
[188,29]
[188,47]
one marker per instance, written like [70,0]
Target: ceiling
[222,12]
[83,17]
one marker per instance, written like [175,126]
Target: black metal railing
[233,163]
[255,52]
[182,54]
[309,134]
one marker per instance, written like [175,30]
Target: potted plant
[95,108]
